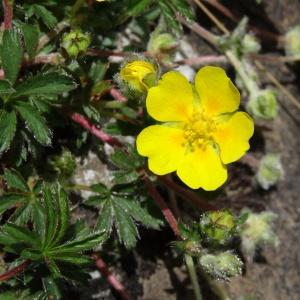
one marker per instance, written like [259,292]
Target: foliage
[78,77]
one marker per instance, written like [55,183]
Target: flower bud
[162,45]
[64,164]
[257,231]
[292,41]
[218,226]
[221,266]
[139,75]
[75,43]
[263,104]
[250,44]
[270,171]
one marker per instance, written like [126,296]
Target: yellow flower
[202,130]
[139,74]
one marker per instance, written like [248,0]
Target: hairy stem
[8,13]
[162,205]
[193,275]
[15,271]
[101,135]
[111,278]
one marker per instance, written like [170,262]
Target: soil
[153,272]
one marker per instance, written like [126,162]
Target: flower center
[198,132]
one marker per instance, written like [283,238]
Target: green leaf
[80,244]
[45,84]
[126,228]
[106,218]
[8,125]
[11,53]
[134,8]
[51,287]
[45,15]
[184,8]
[168,13]
[15,180]
[51,218]
[139,213]
[21,235]
[99,188]
[74,259]
[31,35]
[35,122]
[8,201]
[63,216]
[5,87]
[124,176]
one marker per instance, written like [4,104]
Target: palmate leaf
[122,213]
[52,240]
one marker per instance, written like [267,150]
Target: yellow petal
[217,93]
[202,168]
[233,136]
[163,146]
[171,99]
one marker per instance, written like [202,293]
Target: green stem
[249,83]
[193,275]
[215,287]
[77,187]
[76,7]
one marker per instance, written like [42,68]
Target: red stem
[163,206]
[87,124]
[15,271]
[114,282]
[117,95]
[8,14]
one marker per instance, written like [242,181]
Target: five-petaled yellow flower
[201,129]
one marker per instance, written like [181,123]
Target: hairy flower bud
[75,43]
[221,266]
[139,75]
[270,171]
[162,45]
[218,225]
[250,44]
[257,231]
[263,104]
[292,41]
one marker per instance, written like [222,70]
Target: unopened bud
[162,45]
[221,266]
[292,41]
[75,43]
[250,44]
[257,231]
[263,104]
[218,226]
[139,75]
[270,171]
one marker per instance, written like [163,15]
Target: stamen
[198,132]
